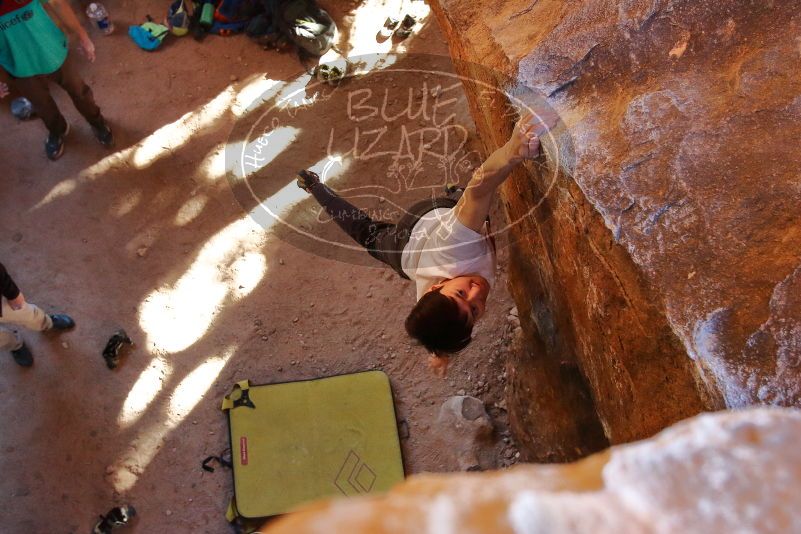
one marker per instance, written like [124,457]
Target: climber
[443,244]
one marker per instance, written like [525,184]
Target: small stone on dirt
[403,429]
[234,78]
[141,251]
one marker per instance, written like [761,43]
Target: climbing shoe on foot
[54,145]
[61,321]
[23,356]
[306,179]
[103,134]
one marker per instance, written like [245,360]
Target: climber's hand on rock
[524,142]
[438,364]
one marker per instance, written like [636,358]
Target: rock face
[723,472]
[656,259]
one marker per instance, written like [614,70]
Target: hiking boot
[306,179]
[61,321]
[54,146]
[103,134]
[23,356]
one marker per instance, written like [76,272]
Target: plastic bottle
[97,12]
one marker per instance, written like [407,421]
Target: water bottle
[99,15]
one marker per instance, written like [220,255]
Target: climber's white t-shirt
[440,247]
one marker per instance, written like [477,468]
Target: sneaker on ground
[103,134]
[54,146]
[61,321]
[23,356]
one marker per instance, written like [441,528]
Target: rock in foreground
[722,472]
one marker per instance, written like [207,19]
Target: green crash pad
[295,442]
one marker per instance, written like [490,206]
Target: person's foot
[54,145]
[453,191]
[103,134]
[306,179]
[23,356]
[61,321]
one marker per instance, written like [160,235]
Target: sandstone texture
[656,250]
[736,471]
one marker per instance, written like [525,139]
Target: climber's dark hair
[438,324]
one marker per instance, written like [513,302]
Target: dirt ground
[153,237]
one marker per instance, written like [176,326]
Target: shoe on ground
[54,145]
[23,356]
[61,321]
[306,179]
[406,26]
[103,134]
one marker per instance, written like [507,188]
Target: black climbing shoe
[405,28]
[453,191]
[23,356]
[111,353]
[306,179]
[54,145]
[116,517]
[103,134]
[61,321]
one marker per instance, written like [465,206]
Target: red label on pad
[243,450]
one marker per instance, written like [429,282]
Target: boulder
[656,254]
[734,471]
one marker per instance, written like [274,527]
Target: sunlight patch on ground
[253,94]
[262,150]
[194,387]
[131,464]
[176,315]
[191,209]
[174,135]
[365,46]
[147,386]
[127,204]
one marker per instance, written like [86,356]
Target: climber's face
[470,294]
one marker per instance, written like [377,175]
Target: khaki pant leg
[30,316]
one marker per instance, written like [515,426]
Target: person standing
[34,52]
[16,311]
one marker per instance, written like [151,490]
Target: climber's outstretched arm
[524,143]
